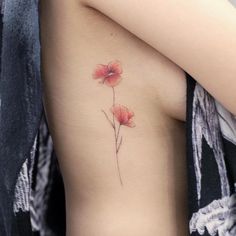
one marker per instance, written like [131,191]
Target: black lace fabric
[32,200]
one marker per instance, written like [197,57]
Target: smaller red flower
[123,115]
[109,74]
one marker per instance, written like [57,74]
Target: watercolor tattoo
[110,75]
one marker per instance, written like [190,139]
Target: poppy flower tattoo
[123,115]
[110,75]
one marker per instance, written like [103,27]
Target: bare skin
[153,198]
[199,36]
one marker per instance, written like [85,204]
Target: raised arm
[199,36]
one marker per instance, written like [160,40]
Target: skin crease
[153,198]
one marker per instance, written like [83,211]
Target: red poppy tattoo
[123,115]
[110,75]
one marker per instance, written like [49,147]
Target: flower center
[110,74]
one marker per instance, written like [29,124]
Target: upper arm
[199,36]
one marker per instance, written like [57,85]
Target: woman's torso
[152,156]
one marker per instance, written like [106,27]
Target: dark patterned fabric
[211,153]
[31,187]
[32,201]
[20,99]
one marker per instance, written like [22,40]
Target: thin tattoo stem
[118,167]
[114,100]
[121,139]
[108,118]
[116,134]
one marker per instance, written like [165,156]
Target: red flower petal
[123,115]
[100,71]
[115,66]
[113,80]
[109,74]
